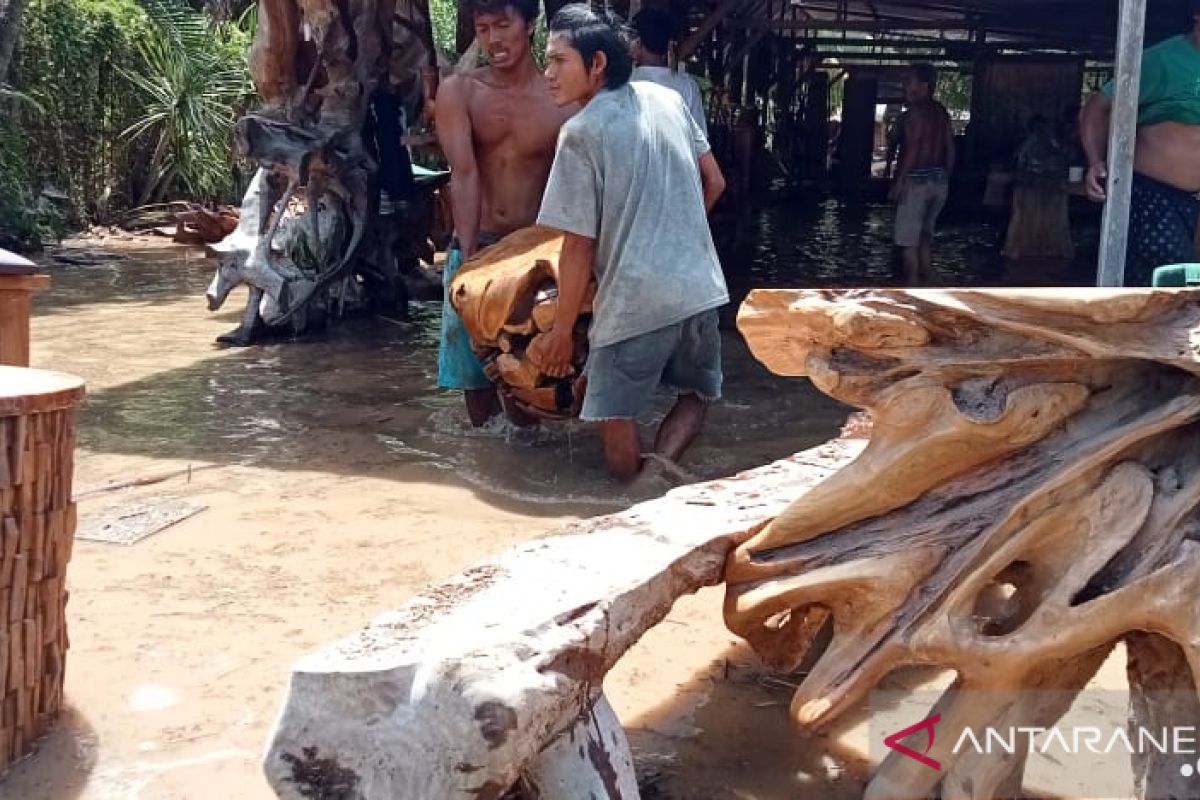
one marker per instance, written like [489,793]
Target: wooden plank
[6,475]
[37,548]
[18,588]
[16,660]
[18,436]
[1122,137]
[10,538]
[33,651]
[4,670]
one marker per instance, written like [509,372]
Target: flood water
[365,394]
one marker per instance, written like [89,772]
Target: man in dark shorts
[1166,166]
[632,180]
[922,182]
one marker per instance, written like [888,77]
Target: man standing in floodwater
[632,182]
[1166,165]
[497,126]
[922,181]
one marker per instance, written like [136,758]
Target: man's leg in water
[908,230]
[482,405]
[912,265]
[694,370]
[680,427]
[928,276]
[622,448]
[458,366]
[621,379]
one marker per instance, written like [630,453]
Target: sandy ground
[181,645]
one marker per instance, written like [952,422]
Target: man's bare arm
[1094,121]
[712,180]
[454,134]
[551,352]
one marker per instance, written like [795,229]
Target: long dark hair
[592,32]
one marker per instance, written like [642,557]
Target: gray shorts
[921,201]
[621,378]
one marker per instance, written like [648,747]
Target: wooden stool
[37,529]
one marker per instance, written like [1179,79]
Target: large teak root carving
[1028,499]
[334,218]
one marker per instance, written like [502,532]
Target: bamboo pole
[1121,140]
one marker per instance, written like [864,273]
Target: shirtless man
[1166,166]
[922,181]
[498,126]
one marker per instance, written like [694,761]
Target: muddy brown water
[369,386]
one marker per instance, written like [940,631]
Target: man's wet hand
[551,353]
[1097,181]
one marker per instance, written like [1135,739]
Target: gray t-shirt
[681,82]
[627,174]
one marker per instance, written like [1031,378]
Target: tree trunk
[10,28]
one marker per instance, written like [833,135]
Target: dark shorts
[1162,228]
[621,378]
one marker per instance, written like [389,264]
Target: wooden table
[16,296]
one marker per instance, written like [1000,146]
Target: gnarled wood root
[1027,499]
[318,65]
[507,296]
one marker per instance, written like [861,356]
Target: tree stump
[319,230]
[1028,498]
[37,530]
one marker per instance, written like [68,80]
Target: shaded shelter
[804,80]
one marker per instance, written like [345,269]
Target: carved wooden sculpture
[507,297]
[339,81]
[1027,499]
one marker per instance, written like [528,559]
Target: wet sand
[337,482]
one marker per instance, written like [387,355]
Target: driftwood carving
[1028,498]
[508,296]
[339,82]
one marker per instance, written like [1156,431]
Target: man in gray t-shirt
[632,180]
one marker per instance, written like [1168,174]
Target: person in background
[497,126]
[632,182]
[654,30]
[922,182]
[1166,165]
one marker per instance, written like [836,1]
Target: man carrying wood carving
[1165,198]
[632,180]
[497,126]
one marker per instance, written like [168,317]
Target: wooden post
[15,304]
[1121,140]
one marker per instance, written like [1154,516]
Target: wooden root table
[37,528]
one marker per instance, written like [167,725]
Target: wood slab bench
[496,675]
